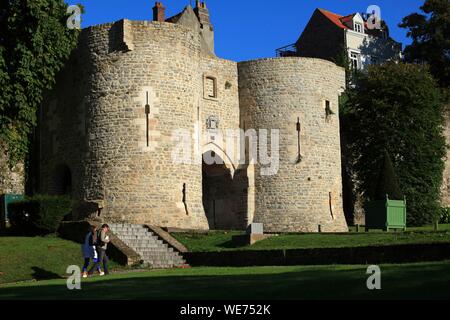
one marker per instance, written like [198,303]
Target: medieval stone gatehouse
[111,130]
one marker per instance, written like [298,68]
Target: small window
[328,111]
[358,27]
[210,87]
[328,108]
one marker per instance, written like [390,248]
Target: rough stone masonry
[107,131]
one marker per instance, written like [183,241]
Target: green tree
[342,60]
[387,182]
[34,44]
[397,108]
[430,32]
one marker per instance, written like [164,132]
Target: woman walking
[90,252]
[101,246]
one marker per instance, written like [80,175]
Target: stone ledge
[181,230]
[167,238]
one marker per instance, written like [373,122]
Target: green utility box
[386,214]
[6,199]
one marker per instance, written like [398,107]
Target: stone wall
[223,184]
[446,182]
[11,180]
[307,190]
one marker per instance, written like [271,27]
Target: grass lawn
[409,281]
[37,258]
[221,241]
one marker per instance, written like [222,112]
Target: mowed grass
[409,281]
[222,241]
[23,258]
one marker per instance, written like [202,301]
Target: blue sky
[249,29]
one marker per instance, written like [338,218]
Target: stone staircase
[152,250]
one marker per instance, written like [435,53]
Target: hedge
[39,215]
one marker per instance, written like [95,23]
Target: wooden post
[436,225]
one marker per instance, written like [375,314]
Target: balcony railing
[287,51]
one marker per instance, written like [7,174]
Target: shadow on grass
[41,274]
[227,245]
[421,281]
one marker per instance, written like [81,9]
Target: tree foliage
[430,32]
[387,182]
[34,44]
[398,108]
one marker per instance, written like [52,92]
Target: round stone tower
[298,97]
[109,129]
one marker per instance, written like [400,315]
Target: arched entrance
[62,181]
[224,197]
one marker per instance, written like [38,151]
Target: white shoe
[85,275]
[102,273]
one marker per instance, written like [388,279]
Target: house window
[210,87]
[354,59]
[358,27]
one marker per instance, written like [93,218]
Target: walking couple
[94,248]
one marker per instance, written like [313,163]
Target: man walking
[102,245]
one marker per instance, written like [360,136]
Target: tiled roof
[335,18]
[339,20]
[348,18]
[175,18]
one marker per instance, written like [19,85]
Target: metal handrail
[287,51]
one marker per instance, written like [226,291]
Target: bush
[445,215]
[39,215]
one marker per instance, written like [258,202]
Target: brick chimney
[202,13]
[159,12]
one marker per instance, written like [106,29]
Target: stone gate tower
[300,98]
[140,102]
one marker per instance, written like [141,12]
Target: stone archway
[224,194]
[213,151]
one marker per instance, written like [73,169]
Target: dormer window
[358,27]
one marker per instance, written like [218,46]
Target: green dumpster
[6,199]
